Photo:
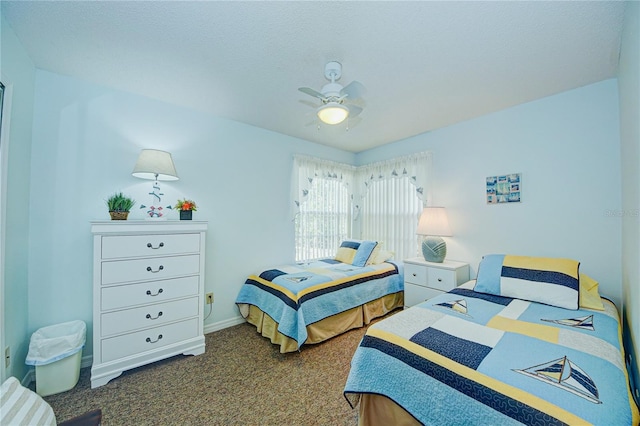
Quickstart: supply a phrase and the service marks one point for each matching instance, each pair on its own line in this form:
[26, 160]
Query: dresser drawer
[147, 340]
[148, 316]
[124, 296]
[416, 274]
[121, 246]
[118, 271]
[441, 279]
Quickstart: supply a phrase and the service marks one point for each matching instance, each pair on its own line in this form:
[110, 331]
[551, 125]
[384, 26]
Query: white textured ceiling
[425, 64]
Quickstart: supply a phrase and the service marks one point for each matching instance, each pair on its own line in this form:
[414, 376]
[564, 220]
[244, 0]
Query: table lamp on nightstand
[434, 224]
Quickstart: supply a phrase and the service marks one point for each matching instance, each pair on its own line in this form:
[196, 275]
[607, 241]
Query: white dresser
[424, 280]
[148, 293]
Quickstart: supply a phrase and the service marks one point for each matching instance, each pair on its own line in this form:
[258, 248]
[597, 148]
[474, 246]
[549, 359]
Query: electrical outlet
[209, 298]
[7, 356]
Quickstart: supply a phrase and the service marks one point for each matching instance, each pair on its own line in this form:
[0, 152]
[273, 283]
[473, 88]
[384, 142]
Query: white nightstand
[424, 280]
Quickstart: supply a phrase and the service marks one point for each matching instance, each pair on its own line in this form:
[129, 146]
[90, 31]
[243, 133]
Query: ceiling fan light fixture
[333, 113]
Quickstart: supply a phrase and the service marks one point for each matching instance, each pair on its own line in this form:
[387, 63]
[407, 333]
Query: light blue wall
[567, 148]
[17, 74]
[629, 83]
[86, 139]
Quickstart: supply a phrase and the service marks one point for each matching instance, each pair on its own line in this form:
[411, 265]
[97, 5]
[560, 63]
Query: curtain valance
[358, 179]
[415, 166]
[306, 169]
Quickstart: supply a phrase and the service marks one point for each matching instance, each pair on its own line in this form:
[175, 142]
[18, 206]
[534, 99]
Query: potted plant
[186, 207]
[119, 206]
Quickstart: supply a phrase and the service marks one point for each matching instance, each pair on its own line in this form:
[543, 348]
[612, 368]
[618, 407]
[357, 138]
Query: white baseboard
[220, 325]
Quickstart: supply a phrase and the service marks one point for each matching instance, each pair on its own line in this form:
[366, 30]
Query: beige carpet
[241, 379]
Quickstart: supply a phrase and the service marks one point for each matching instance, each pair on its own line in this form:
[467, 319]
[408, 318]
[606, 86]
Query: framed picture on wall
[504, 188]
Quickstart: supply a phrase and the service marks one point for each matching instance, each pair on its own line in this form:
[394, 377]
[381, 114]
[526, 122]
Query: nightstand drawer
[124, 296]
[124, 246]
[424, 280]
[415, 294]
[415, 274]
[148, 316]
[441, 279]
[147, 340]
[114, 272]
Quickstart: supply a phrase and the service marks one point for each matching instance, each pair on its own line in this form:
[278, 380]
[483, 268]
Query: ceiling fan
[336, 99]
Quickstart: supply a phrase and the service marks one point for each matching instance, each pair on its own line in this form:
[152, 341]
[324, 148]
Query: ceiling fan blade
[311, 92]
[309, 103]
[353, 122]
[353, 90]
[354, 110]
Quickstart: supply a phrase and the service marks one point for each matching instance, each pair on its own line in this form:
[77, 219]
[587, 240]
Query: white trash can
[56, 352]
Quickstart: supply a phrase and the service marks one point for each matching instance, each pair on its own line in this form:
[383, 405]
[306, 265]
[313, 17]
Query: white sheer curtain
[322, 204]
[307, 169]
[390, 214]
[386, 197]
[392, 195]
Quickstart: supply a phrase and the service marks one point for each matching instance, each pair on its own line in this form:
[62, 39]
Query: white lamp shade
[434, 221]
[333, 113]
[155, 164]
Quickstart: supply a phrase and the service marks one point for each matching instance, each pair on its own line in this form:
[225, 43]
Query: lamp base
[434, 249]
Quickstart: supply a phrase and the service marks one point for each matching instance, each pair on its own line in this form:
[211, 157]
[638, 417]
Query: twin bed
[311, 302]
[529, 342]
[476, 355]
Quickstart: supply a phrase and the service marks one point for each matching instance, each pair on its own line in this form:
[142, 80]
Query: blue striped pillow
[347, 251]
[364, 252]
[355, 252]
[552, 281]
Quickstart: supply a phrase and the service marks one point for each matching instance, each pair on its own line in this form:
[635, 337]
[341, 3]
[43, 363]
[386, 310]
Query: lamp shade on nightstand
[434, 224]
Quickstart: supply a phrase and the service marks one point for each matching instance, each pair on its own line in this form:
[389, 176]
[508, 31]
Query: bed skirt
[327, 328]
[377, 410]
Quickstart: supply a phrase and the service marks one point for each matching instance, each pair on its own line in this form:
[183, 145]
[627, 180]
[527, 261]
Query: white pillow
[382, 256]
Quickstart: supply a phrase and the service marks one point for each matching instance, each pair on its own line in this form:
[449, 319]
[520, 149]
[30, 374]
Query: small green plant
[119, 202]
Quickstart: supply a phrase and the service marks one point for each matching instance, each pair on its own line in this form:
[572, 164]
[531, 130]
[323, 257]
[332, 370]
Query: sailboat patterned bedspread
[472, 358]
[299, 295]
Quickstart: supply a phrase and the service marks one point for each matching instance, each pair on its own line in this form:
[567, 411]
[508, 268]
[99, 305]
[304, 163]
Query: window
[321, 202]
[390, 213]
[389, 195]
[324, 220]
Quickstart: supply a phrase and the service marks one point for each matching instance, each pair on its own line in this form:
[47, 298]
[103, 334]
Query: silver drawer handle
[154, 341]
[155, 248]
[160, 268]
[154, 318]
[151, 294]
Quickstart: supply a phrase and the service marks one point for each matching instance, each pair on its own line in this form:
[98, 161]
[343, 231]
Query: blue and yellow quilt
[296, 296]
[472, 358]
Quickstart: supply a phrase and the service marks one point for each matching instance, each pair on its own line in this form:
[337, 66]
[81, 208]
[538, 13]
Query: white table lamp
[155, 165]
[434, 224]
